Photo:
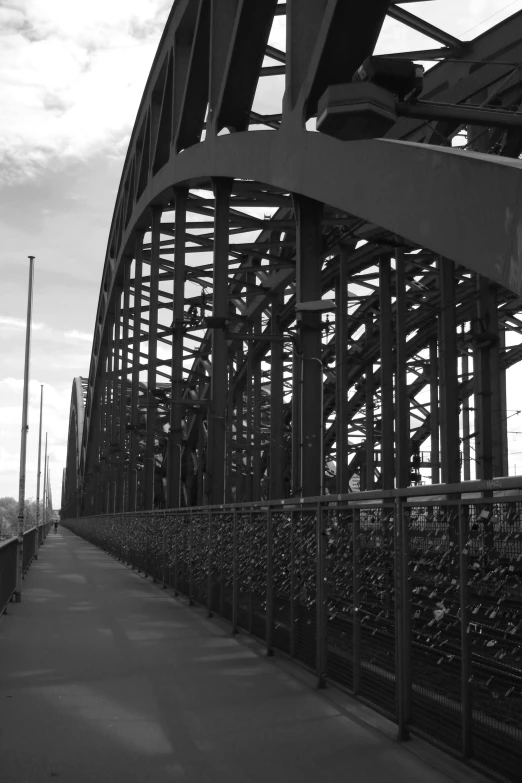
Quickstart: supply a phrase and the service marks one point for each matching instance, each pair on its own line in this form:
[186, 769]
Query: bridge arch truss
[282, 313]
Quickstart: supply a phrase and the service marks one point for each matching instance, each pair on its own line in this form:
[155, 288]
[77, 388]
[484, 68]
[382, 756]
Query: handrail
[463, 489]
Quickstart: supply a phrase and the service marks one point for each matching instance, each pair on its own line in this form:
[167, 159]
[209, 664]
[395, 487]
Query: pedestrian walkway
[105, 677]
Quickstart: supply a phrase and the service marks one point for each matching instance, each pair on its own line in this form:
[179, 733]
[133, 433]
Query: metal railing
[411, 600]
[8, 560]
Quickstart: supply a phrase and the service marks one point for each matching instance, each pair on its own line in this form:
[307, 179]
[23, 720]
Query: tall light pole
[23, 445]
[44, 520]
[38, 474]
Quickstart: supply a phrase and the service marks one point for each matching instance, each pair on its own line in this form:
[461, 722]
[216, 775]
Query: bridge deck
[104, 677]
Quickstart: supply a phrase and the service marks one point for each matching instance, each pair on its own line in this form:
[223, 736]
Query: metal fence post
[294, 593]
[320, 599]
[221, 539]
[164, 553]
[250, 570]
[235, 591]
[269, 586]
[465, 672]
[209, 566]
[403, 621]
[178, 519]
[190, 553]
[356, 577]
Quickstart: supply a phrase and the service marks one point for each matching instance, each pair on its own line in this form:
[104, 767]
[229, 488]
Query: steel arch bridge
[282, 311]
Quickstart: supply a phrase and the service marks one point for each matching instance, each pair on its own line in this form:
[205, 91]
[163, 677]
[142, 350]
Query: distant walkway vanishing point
[105, 677]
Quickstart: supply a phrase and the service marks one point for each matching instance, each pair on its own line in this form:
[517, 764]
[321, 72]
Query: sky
[71, 79]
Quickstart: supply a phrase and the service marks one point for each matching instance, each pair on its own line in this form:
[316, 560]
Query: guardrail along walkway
[105, 677]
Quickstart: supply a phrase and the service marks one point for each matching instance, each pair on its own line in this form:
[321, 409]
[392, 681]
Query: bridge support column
[489, 408]
[249, 388]
[106, 422]
[434, 411]
[256, 421]
[449, 399]
[152, 361]
[369, 471]
[133, 504]
[117, 391]
[121, 504]
[309, 429]
[231, 468]
[387, 406]
[401, 388]
[277, 448]
[341, 374]
[240, 431]
[94, 455]
[216, 466]
[176, 410]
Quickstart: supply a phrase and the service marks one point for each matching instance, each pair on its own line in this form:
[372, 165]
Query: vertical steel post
[503, 424]
[277, 448]
[105, 420]
[135, 382]
[231, 476]
[240, 444]
[320, 599]
[341, 373]
[449, 396]
[209, 566]
[402, 603]
[152, 360]
[123, 465]
[466, 670]
[256, 424]
[356, 615]
[466, 445]
[191, 559]
[370, 410]
[482, 369]
[178, 325]
[403, 619]
[402, 402]
[117, 393]
[434, 412]
[39, 473]
[23, 445]
[297, 364]
[294, 586]
[309, 246]
[249, 388]
[250, 572]
[387, 406]
[235, 573]
[269, 632]
[218, 404]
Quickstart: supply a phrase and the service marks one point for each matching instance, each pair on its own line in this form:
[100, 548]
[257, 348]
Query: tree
[9, 516]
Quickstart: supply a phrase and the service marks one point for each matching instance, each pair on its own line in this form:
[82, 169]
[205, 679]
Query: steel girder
[71, 486]
[270, 399]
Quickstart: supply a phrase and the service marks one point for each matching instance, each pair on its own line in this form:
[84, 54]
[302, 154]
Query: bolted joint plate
[355, 111]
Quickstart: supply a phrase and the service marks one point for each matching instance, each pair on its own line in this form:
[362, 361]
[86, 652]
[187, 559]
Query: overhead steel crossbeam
[281, 312]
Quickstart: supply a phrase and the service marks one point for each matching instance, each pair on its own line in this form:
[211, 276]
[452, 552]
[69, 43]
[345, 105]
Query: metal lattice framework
[281, 310]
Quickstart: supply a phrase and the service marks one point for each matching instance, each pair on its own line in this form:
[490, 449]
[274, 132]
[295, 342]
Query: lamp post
[23, 445]
[38, 475]
[44, 519]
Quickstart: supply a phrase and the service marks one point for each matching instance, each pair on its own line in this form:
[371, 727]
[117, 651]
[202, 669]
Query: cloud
[49, 333]
[71, 78]
[7, 322]
[75, 335]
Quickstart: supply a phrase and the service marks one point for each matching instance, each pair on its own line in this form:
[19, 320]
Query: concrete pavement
[104, 677]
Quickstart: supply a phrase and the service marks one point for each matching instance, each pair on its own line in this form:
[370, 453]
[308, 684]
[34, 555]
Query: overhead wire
[497, 13]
